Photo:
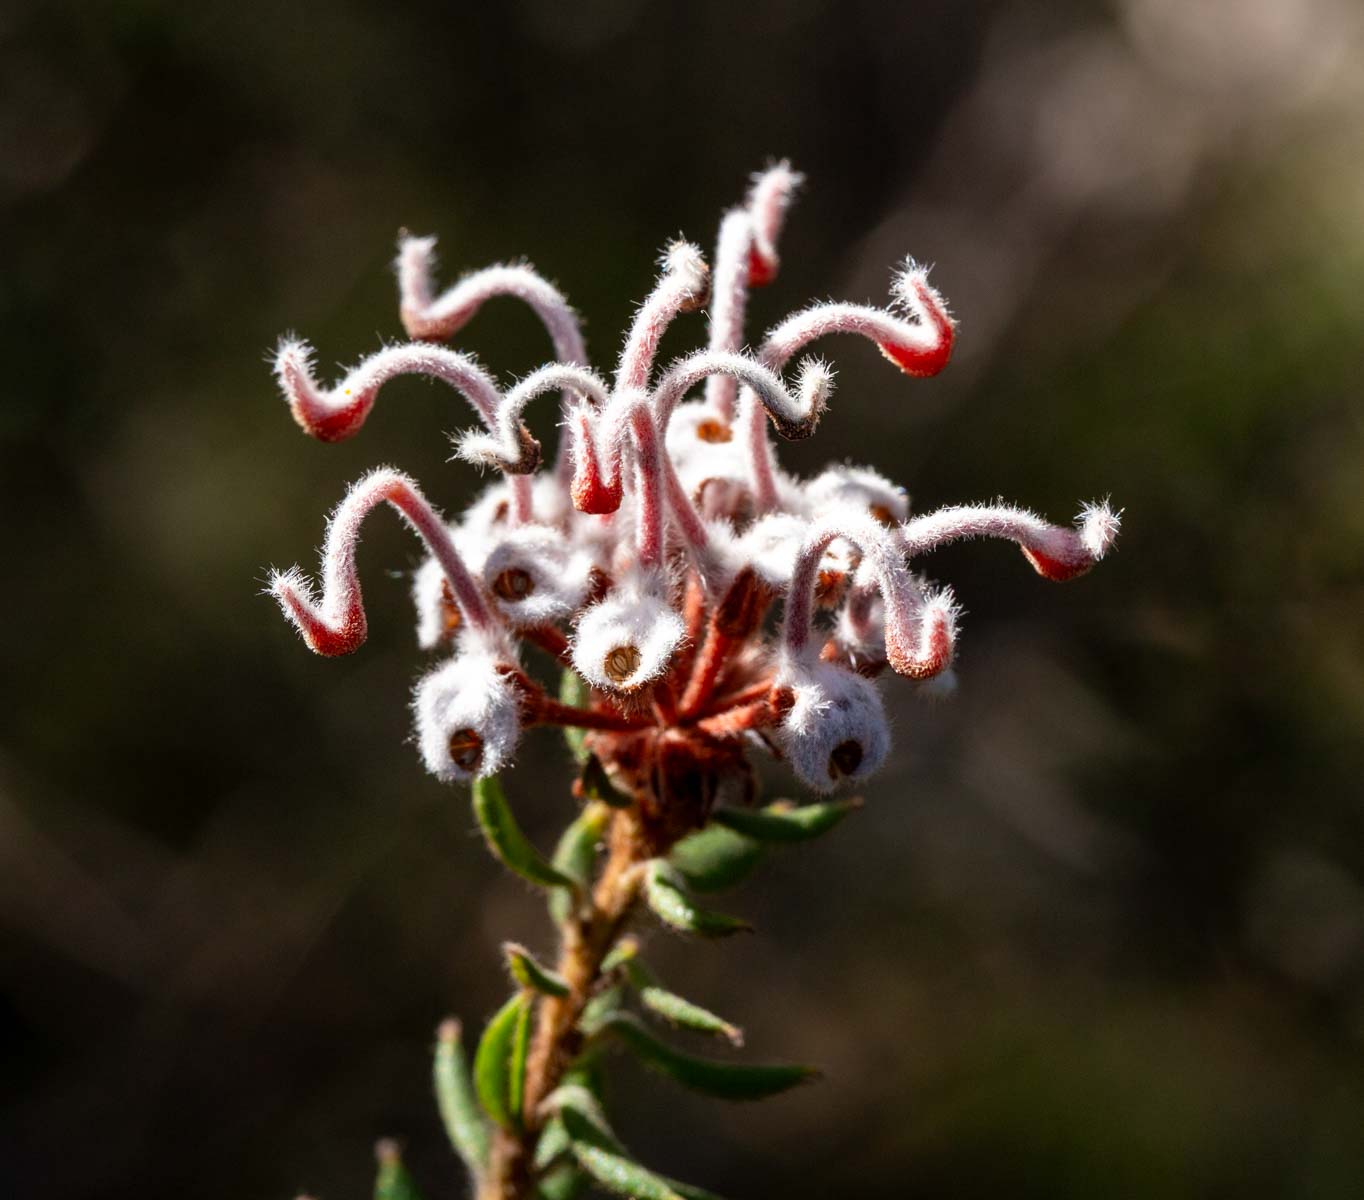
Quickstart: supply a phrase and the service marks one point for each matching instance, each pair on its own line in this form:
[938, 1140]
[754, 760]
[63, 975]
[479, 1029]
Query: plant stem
[588, 936]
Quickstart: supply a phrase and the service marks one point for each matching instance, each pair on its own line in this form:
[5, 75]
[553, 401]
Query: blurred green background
[1100, 928]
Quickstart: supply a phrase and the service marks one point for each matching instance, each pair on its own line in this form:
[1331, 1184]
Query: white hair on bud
[336, 413]
[845, 485]
[534, 577]
[468, 717]
[772, 546]
[1055, 552]
[836, 730]
[627, 641]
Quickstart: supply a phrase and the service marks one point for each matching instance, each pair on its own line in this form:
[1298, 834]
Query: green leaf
[597, 785]
[505, 839]
[520, 1050]
[574, 691]
[601, 1006]
[551, 1144]
[729, 1081]
[715, 857]
[585, 1123]
[606, 1160]
[672, 1007]
[455, 1097]
[781, 822]
[493, 1060]
[621, 953]
[621, 1175]
[666, 893]
[564, 1182]
[392, 1182]
[531, 974]
[576, 855]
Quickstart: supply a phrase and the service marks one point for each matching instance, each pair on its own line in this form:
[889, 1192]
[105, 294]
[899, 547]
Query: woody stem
[587, 937]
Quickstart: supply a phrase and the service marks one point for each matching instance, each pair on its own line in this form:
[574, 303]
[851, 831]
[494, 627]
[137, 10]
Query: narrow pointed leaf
[531, 974]
[392, 1181]
[576, 855]
[574, 691]
[520, 1050]
[567, 1181]
[622, 1176]
[667, 896]
[597, 785]
[464, 1121]
[551, 1144]
[672, 1007]
[606, 1161]
[583, 1121]
[729, 1081]
[493, 1060]
[621, 953]
[599, 1008]
[715, 858]
[782, 823]
[505, 839]
[690, 1192]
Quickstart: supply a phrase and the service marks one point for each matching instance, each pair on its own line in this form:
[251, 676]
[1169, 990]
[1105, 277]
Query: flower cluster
[648, 558]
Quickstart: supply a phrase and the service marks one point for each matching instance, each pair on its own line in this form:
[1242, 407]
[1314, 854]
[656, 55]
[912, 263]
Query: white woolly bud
[438, 616]
[535, 577]
[772, 544]
[860, 487]
[627, 641]
[836, 730]
[468, 717]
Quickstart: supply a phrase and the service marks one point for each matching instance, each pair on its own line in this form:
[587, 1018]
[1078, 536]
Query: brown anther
[845, 758]
[621, 662]
[829, 587]
[881, 513]
[714, 432]
[500, 512]
[513, 584]
[466, 749]
[451, 617]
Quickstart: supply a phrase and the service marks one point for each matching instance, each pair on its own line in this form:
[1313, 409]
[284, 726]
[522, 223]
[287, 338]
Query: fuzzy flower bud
[626, 642]
[468, 717]
[836, 729]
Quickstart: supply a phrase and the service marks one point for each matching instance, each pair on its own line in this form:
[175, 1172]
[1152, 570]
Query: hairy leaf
[715, 857]
[464, 1121]
[531, 974]
[597, 785]
[520, 1050]
[666, 893]
[493, 1060]
[505, 839]
[672, 1007]
[574, 691]
[576, 855]
[729, 1081]
[392, 1182]
[782, 822]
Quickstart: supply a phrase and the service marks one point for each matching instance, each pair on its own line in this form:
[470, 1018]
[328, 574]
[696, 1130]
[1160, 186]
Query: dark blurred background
[1100, 928]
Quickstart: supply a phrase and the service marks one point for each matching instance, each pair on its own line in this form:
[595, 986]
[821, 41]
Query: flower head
[647, 559]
